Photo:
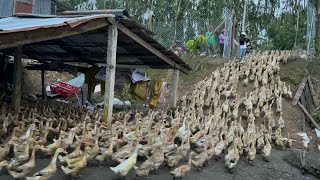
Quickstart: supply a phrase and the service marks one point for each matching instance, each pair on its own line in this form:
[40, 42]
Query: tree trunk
[177, 18]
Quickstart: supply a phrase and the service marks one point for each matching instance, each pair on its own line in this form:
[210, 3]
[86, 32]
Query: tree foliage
[275, 20]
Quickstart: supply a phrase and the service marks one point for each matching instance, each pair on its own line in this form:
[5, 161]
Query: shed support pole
[17, 74]
[43, 83]
[89, 93]
[2, 78]
[175, 88]
[110, 74]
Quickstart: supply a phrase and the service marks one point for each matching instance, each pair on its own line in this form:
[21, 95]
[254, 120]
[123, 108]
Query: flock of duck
[214, 120]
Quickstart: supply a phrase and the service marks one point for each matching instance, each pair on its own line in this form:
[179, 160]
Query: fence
[228, 25]
[166, 31]
[311, 29]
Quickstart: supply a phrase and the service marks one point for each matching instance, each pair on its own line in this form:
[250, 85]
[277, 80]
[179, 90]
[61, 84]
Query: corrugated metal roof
[42, 7]
[88, 47]
[6, 8]
[17, 24]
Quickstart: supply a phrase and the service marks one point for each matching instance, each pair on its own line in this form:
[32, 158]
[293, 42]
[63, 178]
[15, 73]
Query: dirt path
[277, 168]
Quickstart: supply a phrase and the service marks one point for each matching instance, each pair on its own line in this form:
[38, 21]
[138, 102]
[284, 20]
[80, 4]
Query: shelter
[106, 36]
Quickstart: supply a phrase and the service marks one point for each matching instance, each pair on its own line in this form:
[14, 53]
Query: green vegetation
[183, 20]
[197, 44]
[316, 117]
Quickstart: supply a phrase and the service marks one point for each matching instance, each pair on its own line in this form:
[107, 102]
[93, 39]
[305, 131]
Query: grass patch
[316, 117]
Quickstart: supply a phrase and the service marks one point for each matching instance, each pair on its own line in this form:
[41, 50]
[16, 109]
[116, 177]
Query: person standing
[222, 39]
[210, 40]
[243, 44]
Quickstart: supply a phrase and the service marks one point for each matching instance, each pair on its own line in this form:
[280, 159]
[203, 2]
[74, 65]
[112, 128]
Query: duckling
[73, 168]
[279, 139]
[281, 121]
[26, 168]
[74, 154]
[233, 156]
[94, 151]
[22, 156]
[257, 112]
[266, 151]
[220, 146]
[124, 168]
[51, 148]
[108, 152]
[145, 168]
[173, 158]
[289, 93]
[5, 150]
[198, 160]
[50, 170]
[180, 171]
[252, 152]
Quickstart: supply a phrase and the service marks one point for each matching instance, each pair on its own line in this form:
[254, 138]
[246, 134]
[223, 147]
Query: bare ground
[277, 168]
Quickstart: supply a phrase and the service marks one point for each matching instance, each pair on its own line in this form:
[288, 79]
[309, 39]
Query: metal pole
[244, 15]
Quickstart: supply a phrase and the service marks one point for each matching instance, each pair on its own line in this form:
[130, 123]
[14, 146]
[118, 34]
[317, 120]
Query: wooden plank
[309, 102]
[151, 48]
[308, 115]
[17, 79]
[14, 39]
[299, 91]
[175, 88]
[303, 102]
[313, 93]
[110, 74]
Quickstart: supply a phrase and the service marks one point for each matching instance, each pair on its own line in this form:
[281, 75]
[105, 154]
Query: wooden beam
[175, 88]
[142, 42]
[303, 103]
[313, 93]
[110, 74]
[17, 79]
[14, 39]
[308, 115]
[299, 91]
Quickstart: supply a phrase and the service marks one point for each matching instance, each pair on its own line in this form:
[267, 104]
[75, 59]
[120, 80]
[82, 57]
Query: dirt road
[277, 168]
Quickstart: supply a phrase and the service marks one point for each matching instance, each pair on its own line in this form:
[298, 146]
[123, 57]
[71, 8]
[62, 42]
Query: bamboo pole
[309, 116]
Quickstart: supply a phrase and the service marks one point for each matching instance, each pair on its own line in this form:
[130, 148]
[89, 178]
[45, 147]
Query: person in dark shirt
[243, 40]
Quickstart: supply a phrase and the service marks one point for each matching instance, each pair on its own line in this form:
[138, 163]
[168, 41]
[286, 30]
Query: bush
[195, 45]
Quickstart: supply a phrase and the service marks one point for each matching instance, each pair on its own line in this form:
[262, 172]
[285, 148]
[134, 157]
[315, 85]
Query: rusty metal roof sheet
[17, 24]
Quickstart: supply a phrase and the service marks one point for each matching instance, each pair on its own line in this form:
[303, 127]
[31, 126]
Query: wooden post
[17, 74]
[43, 83]
[313, 93]
[110, 74]
[233, 31]
[89, 92]
[299, 91]
[175, 88]
[2, 78]
[303, 103]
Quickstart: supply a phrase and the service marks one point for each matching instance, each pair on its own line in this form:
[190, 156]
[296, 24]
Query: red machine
[65, 90]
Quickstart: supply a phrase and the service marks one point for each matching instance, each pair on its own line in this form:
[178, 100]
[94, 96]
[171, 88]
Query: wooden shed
[107, 36]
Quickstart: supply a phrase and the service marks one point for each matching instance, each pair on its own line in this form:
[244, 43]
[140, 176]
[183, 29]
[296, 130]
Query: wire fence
[311, 29]
[166, 32]
[228, 25]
